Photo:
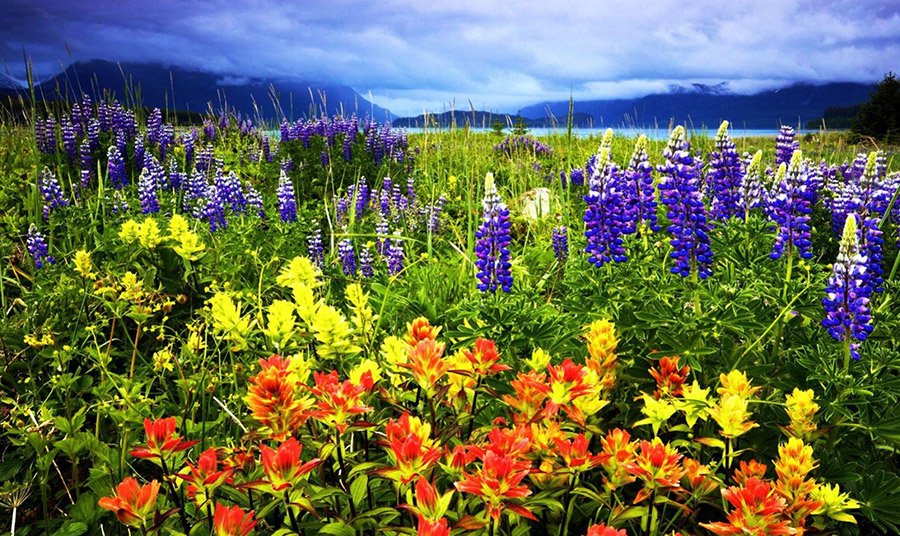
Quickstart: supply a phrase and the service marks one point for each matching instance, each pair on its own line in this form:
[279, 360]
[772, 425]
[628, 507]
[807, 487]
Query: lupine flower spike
[492, 248]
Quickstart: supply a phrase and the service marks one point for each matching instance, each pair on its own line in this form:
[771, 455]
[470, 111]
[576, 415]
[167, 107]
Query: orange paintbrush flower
[748, 470]
[566, 383]
[336, 402]
[658, 465]
[427, 364]
[432, 528]
[205, 477]
[795, 462]
[497, 482]
[757, 509]
[575, 453]
[619, 448]
[410, 449]
[134, 505]
[484, 357]
[530, 393]
[233, 521]
[602, 360]
[514, 442]
[161, 440]
[669, 377]
[419, 330]
[603, 530]
[273, 399]
[284, 468]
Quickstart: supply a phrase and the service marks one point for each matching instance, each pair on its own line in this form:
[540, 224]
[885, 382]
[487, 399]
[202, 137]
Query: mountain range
[177, 88]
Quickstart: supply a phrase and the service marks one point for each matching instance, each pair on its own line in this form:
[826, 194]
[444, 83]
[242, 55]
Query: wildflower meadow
[334, 326]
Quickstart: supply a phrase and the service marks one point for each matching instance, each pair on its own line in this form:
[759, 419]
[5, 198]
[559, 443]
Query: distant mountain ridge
[708, 105]
[178, 88]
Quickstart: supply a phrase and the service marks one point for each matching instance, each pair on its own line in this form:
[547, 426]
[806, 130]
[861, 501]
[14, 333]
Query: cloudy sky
[497, 54]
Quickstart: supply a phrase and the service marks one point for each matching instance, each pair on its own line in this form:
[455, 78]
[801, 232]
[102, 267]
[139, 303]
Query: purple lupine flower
[87, 109]
[93, 134]
[229, 189]
[87, 165]
[254, 200]
[348, 151]
[193, 201]
[365, 262]
[514, 144]
[154, 126]
[285, 128]
[119, 205]
[561, 243]
[316, 251]
[605, 218]
[37, 246]
[147, 186]
[395, 256]
[188, 140]
[287, 204]
[156, 171]
[381, 239]
[847, 314]
[265, 148]
[347, 256]
[45, 134]
[342, 211]
[576, 177]
[166, 140]
[68, 136]
[214, 212]
[492, 248]
[139, 152]
[52, 192]
[116, 168]
[871, 205]
[434, 214]
[287, 165]
[77, 126]
[679, 191]
[204, 160]
[104, 117]
[785, 145]
[725, 177]
[325, 159]
[790, 208]
[176, 178]
[361, 192]
[641, 194]
[751, 193]
[209, 129]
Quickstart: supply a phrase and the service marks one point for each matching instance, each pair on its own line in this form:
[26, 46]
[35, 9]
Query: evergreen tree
[880, 117]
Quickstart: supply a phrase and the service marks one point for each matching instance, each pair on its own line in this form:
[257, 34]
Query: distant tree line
[877, 120]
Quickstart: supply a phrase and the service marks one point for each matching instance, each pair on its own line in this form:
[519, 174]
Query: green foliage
[879, 119]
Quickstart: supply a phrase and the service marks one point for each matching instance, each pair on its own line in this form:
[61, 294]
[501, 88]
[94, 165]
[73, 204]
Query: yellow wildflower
[148, 233]
[731, 413]
[227, 319]
[332, 333]
[801, 408]
[367, 365]
[281, 324]
[83, 266]
[363, 317]
[162, 360]
[694, 403]
[129, 231]
[299, 271]
[189, 246]
[658, 412]
[736, 383]
[834, 504]
[131, 287]
[539, 360]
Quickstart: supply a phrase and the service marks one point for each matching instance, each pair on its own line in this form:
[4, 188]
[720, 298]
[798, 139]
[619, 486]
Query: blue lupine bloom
[176, 178]
[325, 159]
[316, 250]
[154, 126]
[605, 218]
[342, 212]
[365, 262]
[348, 150]
[381, 232]
[576, 177]
[166, 140]
[209, 129]
[434, 214]
[785, 145]
[229, 189]
[790, 208]
[189, 139]
[156, 171]
[52, 192]
[37, 246]
[87, 165]
[254, 201]
[725, 177]
[847, 314]
[394, 256]
[68, 136]
[147, 191]
[265, 148]
[215, 209]
[641, 194]
[362, 197]
[514, 144]
[193, 201]
[561, 243]
[116, 168]
[751, 193]
[492, 247]
[119, 205]
[139, 152]
[680, 192]
[93, 134]
[45, 134]
[287, 165]
[287, 204]
[347, 256]
[122, 145]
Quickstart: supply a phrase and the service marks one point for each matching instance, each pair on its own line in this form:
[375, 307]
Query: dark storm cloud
[499, 54]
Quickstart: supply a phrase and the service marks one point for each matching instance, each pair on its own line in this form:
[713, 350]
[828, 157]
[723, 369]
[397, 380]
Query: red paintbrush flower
[284, 468]
[161, 440]
[272, 398]
[757, 509]
[575, 453]
[603, 530]
[497, 481]
[484, 357]
[205, 477]
[233, 521]
[618, 446]
[336, 402]
[566, 383]
[513, 442]
[420, 330]
[427, 364]
[432, 528]
[530, 393]
[410, 449]
[748, 470]
[669, 378]
[134, 505]
[658, 465]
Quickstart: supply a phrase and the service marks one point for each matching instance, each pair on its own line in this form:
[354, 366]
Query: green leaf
[71, 528]
[358, 489]
[338, 528]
